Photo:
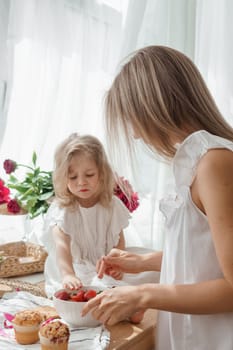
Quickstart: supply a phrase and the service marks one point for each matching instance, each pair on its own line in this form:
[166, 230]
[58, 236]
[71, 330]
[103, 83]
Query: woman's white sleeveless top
[189, 255]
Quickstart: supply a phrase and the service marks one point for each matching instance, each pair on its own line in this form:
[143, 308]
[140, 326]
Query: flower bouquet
[31, 193]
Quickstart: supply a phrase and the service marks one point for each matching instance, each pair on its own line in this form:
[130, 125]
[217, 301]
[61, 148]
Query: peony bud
[13, 206]
[9, 166]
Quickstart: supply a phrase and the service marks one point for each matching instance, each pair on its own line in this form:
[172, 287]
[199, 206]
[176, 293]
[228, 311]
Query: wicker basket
[17, 285]
[4, 289]
[21, 258]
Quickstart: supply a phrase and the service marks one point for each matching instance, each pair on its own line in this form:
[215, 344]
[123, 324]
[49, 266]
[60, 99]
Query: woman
[160, 97]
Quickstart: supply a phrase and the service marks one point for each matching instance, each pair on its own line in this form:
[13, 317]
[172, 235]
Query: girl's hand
[118, 261]
[115, 305]
[71, 282]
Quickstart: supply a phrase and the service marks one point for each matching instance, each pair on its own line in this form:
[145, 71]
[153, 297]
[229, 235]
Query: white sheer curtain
[62, 56]
[4, 13]
[155, 22]
[214, 51]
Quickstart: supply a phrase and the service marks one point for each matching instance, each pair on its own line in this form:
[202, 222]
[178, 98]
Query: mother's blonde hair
[84, 145]
[160, 95]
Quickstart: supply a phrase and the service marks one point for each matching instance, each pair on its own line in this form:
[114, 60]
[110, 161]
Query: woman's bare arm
[213, 188]
[214, 183]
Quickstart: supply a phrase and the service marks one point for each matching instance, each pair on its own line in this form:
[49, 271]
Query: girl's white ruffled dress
[189, 255]
[93, 232]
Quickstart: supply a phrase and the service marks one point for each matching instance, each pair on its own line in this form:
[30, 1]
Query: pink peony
[131, 201]
[13, 206]
[4, 193]
[9, 166]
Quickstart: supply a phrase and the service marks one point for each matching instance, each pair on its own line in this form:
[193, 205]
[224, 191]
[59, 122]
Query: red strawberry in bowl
[79, 296]
[63, 295]
[69, 303]
[89, 294]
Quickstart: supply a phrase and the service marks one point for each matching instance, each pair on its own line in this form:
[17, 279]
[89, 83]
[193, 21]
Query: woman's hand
[103, 267]
[115, 305]
[117, 275]
[100, 266]
[119, 261]
[123, 261]
[71, 282]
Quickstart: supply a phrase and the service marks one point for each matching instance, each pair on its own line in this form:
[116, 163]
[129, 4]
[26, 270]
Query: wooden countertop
[128, 336]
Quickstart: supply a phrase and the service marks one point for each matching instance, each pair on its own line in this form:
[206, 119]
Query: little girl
[85, 221]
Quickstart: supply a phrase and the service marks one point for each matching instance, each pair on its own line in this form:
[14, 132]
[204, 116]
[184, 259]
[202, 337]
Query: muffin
[47, 312]
[26, 326]
[54, 335]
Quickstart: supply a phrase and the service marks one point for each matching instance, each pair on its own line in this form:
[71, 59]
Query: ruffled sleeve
[191, 151]
[185, 163]
[55, 216]
[120, 216]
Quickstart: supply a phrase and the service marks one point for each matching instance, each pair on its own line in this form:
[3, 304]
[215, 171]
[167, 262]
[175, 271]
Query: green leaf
[12, 178]
[45, 196]
[40, 210]
[34, 158]
[20, 187]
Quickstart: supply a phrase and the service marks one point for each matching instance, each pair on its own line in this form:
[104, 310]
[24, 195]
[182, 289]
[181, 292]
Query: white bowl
[70, 311]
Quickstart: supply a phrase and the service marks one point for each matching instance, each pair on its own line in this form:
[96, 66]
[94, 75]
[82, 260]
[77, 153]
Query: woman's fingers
[114, 305]
[118, 275]
[91, 304]
[117, 261]
[101, 268]
[98, 305]
[100, 314]
[106, 264]
[98, 265]
[137, 317]
[103, 309]
[114, 264]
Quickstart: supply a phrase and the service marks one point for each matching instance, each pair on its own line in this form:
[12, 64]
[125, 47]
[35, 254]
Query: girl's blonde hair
[84, 145]
[160, 95]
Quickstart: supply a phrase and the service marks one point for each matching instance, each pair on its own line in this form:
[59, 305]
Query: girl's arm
[64, 259]
[121, 242]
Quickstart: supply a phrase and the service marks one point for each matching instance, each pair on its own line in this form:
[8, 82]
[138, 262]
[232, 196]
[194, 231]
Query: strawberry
[89, 294]
[79, 296]
[63, 295]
